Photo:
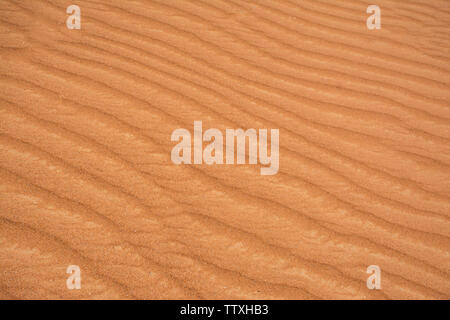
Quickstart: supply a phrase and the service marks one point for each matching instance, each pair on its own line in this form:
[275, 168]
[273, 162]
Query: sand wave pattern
[86, 176]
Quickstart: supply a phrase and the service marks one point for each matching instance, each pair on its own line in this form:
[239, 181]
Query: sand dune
[86, 176]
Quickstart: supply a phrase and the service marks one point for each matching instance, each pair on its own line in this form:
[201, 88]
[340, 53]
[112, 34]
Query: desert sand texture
[87, 179]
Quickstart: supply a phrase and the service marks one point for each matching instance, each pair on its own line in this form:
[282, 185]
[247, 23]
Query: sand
[86, 176]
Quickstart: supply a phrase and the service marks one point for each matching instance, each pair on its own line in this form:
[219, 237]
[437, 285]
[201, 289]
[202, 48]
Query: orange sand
[86, 176]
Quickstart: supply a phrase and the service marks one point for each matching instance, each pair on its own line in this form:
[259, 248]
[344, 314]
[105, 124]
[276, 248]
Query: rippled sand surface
[86, 176]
